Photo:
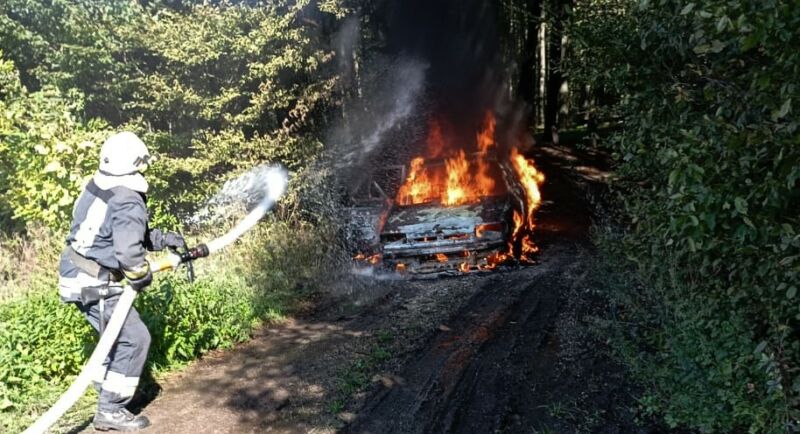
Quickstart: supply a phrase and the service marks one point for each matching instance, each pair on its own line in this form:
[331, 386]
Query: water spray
[272, 185]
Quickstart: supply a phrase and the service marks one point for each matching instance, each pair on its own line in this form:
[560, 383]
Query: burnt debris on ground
[510, 351]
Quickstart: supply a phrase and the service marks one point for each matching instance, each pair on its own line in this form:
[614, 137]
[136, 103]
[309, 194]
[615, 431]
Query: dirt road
[504, 352]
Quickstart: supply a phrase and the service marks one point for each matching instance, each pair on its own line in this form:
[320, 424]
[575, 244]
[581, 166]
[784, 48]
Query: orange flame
[418, 186]
[460, 183]
[486, 135]
[485, 183]
[441, 257]
[373, 260]
[531, 178]
[463, 181]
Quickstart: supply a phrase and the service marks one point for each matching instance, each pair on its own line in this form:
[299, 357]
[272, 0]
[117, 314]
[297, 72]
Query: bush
[46, 151]
[708, 185]
[26, 262]
[44, 343]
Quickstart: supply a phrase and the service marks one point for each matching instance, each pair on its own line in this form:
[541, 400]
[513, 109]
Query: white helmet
[124, 154]
[122, 159]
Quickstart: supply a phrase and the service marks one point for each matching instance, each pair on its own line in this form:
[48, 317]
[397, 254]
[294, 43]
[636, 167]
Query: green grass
[356, 377]
[45, 343]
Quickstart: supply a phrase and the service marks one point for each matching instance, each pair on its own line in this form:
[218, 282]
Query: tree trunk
[528, 77]
[555, 78]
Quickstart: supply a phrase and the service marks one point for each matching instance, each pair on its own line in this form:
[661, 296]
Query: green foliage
[213, 88]
[356, 377]
[708, 166]
[26, 262]
[44, 343]
[44, 151]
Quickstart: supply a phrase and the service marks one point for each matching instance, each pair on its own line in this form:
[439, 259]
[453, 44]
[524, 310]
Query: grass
[27, 262]
[261, 279]
[356, 377]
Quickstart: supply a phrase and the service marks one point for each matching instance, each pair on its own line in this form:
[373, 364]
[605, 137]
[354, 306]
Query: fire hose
[276, 184]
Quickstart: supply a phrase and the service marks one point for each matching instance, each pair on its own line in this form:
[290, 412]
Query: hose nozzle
[199, 251]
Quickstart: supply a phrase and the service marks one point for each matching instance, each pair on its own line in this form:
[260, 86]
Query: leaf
[760, 348]
[52, 167]
[722, 23]
[791, 292]
[688, 8]
[5, 404]
[784, 110]
[741, 205]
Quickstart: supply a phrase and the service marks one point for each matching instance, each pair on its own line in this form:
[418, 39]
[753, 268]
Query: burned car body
[431, 238]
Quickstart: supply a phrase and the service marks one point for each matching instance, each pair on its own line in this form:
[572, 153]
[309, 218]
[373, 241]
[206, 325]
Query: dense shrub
[44, 343]
[46, 151]
[708, 160]
[213, 89]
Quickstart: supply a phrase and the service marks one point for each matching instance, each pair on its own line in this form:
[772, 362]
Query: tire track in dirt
[504, 352]
[435, 390]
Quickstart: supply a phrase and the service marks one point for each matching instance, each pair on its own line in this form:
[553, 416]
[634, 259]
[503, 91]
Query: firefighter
[106, 246]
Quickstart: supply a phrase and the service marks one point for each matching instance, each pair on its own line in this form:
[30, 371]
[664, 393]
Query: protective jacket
[109, 229]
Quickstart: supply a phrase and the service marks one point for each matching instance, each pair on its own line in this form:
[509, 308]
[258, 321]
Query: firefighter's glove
[139, 277]
[174, 240]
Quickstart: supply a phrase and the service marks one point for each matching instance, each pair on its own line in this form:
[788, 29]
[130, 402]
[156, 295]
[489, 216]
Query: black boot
[120, 420]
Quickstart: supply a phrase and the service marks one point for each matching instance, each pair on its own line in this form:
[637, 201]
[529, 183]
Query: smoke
[346, 43]
[391, 96]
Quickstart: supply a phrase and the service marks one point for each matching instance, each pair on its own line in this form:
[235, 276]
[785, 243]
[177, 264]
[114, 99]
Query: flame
[418, 186]
[531, 178]
[521, 235]
[485, 182]
[465, 180]
[373, 260]
[458, 182]
[400, 267]
[486, 135]
[461, 183]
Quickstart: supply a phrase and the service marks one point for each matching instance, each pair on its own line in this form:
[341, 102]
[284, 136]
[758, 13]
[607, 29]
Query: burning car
[453, 212]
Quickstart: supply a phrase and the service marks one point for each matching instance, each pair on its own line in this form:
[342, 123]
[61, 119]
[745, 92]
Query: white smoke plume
[386, 103]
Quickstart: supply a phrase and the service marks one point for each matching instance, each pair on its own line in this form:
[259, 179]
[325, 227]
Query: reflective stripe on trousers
[126, 360]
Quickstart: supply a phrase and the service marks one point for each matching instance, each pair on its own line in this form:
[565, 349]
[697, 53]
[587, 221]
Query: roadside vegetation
[696, 101]
[707, 159]
[696, 104]
[213, 90]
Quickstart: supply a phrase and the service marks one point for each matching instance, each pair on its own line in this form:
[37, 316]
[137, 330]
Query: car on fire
[427, 237]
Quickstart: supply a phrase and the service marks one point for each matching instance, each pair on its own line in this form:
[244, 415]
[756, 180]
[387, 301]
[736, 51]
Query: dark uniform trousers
[124, 364]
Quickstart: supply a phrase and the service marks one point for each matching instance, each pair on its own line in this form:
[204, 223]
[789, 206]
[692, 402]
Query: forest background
[694, 102]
